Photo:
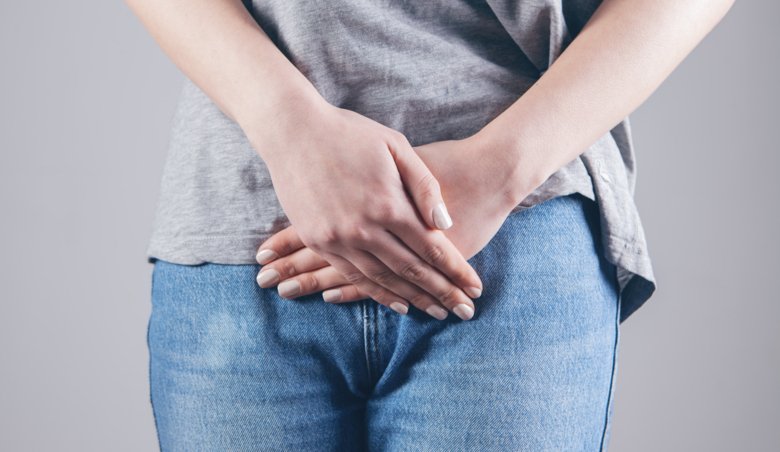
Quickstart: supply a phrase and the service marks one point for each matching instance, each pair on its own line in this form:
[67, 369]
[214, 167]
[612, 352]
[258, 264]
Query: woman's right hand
[340, 178]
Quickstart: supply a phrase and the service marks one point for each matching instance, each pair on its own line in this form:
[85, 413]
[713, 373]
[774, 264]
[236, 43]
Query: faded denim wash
[235, 367]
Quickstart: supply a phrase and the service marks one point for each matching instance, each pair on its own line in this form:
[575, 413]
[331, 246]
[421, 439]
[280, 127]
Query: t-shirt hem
[635, 274]
[219, 249]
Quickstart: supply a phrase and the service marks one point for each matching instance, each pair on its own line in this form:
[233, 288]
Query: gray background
[86, 100]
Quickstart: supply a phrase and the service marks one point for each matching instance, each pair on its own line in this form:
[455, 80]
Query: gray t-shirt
[433, 70]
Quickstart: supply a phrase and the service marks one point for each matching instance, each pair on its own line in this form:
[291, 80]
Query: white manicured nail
[436, 311]
[399, 307]
[265, 256]
[289, 288]
[441, 218]
[463, 311]
[331, 295]
[267, 277]
[473, 292]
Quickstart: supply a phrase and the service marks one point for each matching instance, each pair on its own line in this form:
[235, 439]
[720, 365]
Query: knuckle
[399, 214]
[355, 278]
[384, 210]
[449, 298]
[322, 239]
[413, 271]
[398, 140]
[427, 185]
[287, 268]
[434, 254]
[356, 233]
[383, 277]
[461, 276]
[329, 237]
[420, 300]
[398, 136]
[285, 247]
[316, 247]
[396, 214]
[310, 282]
[379, 296]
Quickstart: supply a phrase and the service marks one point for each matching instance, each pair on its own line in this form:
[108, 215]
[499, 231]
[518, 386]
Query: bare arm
[613, 65]
[619, 58]
[317, 154]
[220, 47]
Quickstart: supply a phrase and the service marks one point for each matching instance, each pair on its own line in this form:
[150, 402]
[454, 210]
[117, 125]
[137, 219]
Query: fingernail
[473, 292]
[265, 256]
[463, 311]
[289, 288]
[436, 311]
[331, 295]
[441, 218]
[267, 277]
[399, 307]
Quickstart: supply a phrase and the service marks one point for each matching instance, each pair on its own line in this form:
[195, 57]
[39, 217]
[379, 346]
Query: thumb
[421, 184]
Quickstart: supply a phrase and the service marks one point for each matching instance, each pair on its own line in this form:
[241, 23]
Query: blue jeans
[234, 367]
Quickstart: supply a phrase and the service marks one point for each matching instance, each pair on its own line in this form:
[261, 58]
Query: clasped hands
[366, 215]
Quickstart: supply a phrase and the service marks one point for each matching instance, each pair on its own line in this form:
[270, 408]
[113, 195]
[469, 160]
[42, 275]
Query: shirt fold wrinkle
[434, 70]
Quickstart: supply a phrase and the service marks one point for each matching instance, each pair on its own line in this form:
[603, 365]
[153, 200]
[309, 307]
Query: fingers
[356, 277]
[410, 262]
[420, 183]
[281, 244]
[311, 282]
[411, 268]
[305, 272]
[301, 261]
[335, 288]
[437, 250]
[380, 273]
[343, 294]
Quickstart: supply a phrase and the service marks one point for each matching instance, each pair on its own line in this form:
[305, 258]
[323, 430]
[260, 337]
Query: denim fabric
[234, 367]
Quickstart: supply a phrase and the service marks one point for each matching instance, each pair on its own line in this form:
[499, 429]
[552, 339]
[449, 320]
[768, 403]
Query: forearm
[221, 48]
[618, 59]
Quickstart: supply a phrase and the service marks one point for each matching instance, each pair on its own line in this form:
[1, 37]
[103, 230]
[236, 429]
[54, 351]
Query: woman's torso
[433, 70]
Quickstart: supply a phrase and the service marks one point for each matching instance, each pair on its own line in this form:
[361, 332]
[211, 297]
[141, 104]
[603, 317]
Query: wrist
[517, 166]
[278, 118]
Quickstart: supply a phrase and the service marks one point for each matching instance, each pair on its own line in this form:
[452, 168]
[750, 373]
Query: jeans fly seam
[376, 339]
[366, 338]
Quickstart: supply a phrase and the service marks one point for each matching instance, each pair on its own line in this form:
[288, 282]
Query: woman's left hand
[480, 190]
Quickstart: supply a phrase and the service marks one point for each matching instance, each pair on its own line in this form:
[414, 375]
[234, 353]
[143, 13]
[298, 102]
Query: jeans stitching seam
[375, 345]
[612, 376]
[366, 338]
[148, 347]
